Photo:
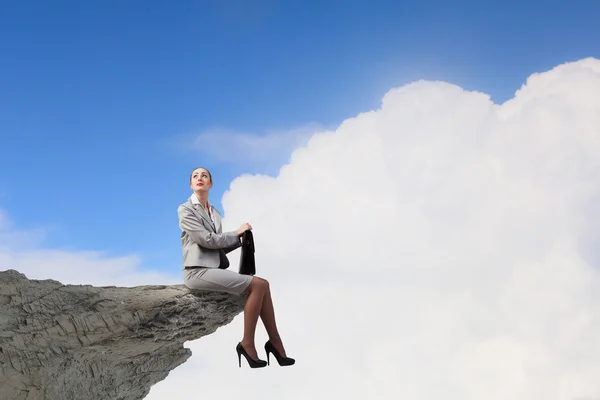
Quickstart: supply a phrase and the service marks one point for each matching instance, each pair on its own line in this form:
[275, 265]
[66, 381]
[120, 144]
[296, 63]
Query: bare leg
[252, 309]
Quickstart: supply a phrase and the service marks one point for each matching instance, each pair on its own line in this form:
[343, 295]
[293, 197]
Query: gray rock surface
[83, 342]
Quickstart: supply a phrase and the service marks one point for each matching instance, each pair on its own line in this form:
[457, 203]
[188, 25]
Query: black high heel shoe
[251, 362]
[283, 361]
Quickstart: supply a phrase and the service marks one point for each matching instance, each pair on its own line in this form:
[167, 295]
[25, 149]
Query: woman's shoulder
[185, 205]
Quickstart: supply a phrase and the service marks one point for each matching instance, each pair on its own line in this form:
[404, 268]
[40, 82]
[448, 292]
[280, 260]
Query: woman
[204, 262]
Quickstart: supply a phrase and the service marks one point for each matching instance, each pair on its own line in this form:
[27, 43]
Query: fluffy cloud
[441, 246]
[23, 251]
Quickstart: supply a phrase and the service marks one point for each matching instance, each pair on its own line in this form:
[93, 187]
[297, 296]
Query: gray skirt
[216, 280]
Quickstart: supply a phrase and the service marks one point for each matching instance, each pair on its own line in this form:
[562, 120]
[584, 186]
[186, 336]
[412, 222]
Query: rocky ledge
[84, 342]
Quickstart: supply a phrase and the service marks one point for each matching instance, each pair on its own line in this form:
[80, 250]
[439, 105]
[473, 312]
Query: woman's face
[200, 180]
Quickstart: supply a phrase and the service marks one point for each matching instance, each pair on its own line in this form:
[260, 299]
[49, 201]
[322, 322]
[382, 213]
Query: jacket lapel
[200, 213]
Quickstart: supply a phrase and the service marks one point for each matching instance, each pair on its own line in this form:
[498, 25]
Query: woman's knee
[259, 284]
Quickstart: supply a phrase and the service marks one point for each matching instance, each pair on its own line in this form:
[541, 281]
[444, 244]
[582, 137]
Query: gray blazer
[203, 243]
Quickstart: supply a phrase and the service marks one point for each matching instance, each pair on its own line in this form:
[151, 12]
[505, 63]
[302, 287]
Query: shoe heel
[281, 360]
[251, 362]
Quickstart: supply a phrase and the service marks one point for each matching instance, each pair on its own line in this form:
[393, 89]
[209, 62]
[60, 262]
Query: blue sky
[99, 99]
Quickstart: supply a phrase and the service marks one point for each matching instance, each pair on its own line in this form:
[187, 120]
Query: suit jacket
[203, 243]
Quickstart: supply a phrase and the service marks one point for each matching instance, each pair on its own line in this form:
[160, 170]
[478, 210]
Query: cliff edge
[84, 342]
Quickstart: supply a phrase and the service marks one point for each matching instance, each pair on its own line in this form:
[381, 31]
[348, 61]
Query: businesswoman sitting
[204, 247]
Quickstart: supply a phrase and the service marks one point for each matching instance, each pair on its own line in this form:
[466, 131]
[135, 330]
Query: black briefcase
[247, 264]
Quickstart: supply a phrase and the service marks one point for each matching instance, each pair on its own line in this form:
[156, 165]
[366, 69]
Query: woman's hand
[243, 228]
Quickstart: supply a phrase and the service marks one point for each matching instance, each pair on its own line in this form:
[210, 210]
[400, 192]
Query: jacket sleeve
[232, 248]
[189, 223]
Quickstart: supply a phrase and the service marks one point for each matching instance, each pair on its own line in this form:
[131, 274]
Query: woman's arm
[189, 223]
[230, 249]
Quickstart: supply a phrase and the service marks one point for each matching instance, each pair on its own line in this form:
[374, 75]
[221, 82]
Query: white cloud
[10, 237]
[438, 247]
[264, 151]
[22, 250]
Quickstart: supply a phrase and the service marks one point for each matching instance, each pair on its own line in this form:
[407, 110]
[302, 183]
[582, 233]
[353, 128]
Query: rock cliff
[68, 342]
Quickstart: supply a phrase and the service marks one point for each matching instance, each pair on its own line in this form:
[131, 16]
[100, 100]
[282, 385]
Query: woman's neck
[203, 198]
